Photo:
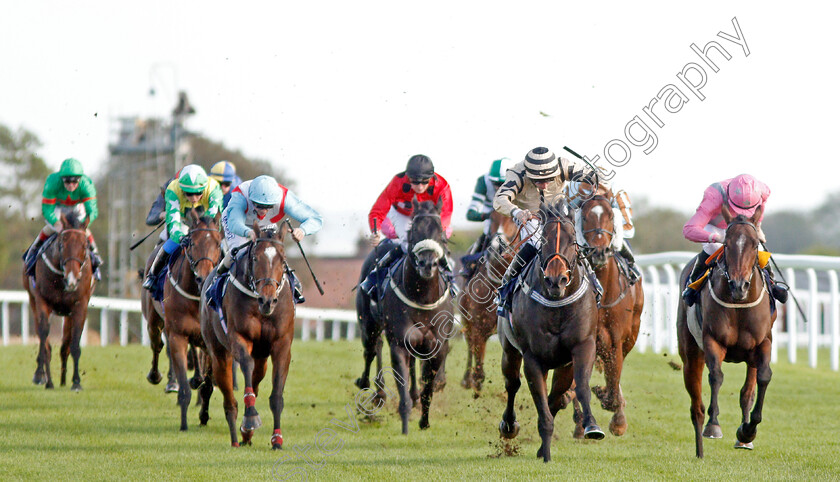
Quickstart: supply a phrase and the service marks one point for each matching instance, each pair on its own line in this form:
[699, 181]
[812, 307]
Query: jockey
[540, 177]
[391, 212]
[480, 208]
[191, 190]
[68, 187]
[743, 194]
[265, 201]
[579, 192]
[225, 173]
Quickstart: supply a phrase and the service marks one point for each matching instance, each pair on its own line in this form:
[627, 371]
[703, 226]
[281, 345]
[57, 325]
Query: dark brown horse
[416, 313]
[62, 285]
[200, 252]
[620, 308]
[736, 327]
[259, 322]
[552, 326]
[477, 305]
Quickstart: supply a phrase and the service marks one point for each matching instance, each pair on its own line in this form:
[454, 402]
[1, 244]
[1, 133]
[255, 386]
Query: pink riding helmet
[743, 195]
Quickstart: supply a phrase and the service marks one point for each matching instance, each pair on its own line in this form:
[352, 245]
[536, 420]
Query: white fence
[818, 296]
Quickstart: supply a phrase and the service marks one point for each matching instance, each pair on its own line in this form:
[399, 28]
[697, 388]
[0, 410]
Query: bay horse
[200, 252]
[62, 285]
[416, 314]
[552, 326]
[736, 327]
[477, 301]
[619, 310]
[258, 322]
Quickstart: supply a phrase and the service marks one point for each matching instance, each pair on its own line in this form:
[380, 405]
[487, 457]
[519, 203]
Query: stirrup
[780, 292]
[689, 295]
[149, 282]
[635, 274]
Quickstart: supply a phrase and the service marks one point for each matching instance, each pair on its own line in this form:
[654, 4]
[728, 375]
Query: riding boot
[593, 278]
[525, 255]
[33, 250]
[380, 270]
[469, 262]
[225, 264]
[160, 261]
[625, 252]
[447, 266]
[690, 294]
[297, 289]
[778, 290]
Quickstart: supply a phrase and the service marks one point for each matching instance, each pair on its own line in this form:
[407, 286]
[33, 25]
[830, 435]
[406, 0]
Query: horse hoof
[277, 442]
[249, 424]
[466, 383]
[362, 383]
[39, 380]
[618, 425]
[77, 387]
[508, 432]
[234, 444]
[171, 387]
[741, 445]
[203, 418]
[743, 436]
[246, 435]
[49, 385]
[713, 431]
[544, 454]
[424, 424]
[154, 377]
[439, 385]
[593, 432]
[195, 383]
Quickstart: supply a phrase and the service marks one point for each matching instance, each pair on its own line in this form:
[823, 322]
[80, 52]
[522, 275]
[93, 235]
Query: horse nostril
[261, 300]
[746, 285]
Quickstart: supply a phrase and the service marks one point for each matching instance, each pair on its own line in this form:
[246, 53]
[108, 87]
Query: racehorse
[552, 326]
[62, 285]
[200, 252]
[417, 319]
[258, 322]
[620, 309]
[477, 301]
[735, 327]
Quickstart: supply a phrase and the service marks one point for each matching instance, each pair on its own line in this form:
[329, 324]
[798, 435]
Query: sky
[341, 94]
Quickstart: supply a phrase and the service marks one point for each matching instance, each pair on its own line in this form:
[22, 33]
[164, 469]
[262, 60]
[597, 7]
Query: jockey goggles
[265, 207]
[419, 181]
[70, 179]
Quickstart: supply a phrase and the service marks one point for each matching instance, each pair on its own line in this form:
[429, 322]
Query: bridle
[598, 230]
[62, 260]
[254, 284]
[556, 253]
[413, 251]
[189, 243]
[721, 263]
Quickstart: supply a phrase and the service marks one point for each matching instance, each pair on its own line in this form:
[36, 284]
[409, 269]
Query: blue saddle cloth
[30, 266]
[157, 288]
[216, 292]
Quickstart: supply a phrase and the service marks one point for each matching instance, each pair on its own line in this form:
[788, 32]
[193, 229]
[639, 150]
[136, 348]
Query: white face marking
[740, 243]
[270, 252]
[598, 211]
[71, 279]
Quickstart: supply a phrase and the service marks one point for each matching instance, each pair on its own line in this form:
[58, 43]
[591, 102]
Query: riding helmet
[265, 190]
[193, 179]
[540, 164]
[743, 194]
[71, 168]
[420, 168]
[223, 171]
[498, 168]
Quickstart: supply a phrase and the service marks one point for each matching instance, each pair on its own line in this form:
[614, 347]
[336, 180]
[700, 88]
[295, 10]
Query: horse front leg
[415, 394]
[280, 359]
[155, 327]
[42, 373]
[206, 366]
[172, 382]
[511, 363]
[535, 374]
[467, 381]
[561, 394]
[400, 360]
[714, 361]
[693, 363]
[430, 372]
[251, 421]
[747, 431]
[478, 372]
[614, 400]
[64, 352]
[583, 357]
[178, 346]
[78, 324]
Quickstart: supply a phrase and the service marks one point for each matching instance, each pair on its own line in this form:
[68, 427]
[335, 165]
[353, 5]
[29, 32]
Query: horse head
[559, 250]
[597, 228]
[740, 252]
[425, 237]
[203, 244]
[267, 257]
[72, 246]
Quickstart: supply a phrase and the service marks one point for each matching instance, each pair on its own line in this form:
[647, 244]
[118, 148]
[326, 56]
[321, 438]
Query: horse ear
[724, 211]
[256, 228]
[63, 219]
[439, 205]
[414, 203]
[217, 218]
[757, 214]
[85, 224]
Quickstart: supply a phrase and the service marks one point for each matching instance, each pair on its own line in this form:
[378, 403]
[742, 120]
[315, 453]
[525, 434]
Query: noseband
[557, 253]
[188, 250]
[724, 267]
[62, 260]
[599, 230]
[253, 284]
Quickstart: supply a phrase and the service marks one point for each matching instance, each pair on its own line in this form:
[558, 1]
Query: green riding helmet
[193, 179]
[498, 168]
[71, 168]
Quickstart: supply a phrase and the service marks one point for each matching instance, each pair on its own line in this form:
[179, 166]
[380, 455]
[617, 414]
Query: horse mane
[556, 208]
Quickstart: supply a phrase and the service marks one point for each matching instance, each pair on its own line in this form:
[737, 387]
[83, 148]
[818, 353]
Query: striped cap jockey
[541, 163]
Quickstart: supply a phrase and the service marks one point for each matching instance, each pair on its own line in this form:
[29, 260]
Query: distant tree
[20, 194]
[659, 229]
[789, 231]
